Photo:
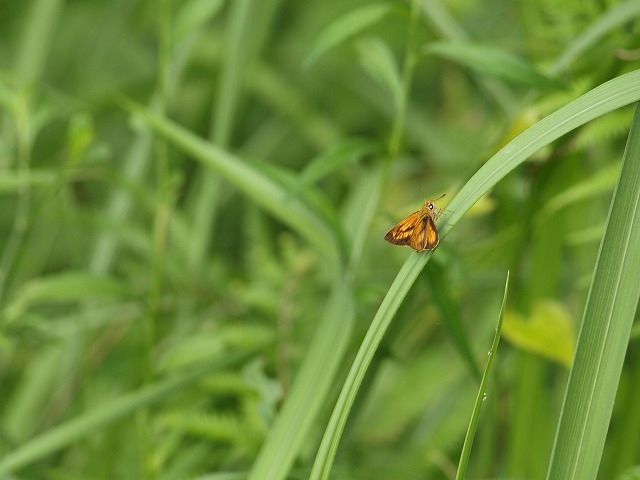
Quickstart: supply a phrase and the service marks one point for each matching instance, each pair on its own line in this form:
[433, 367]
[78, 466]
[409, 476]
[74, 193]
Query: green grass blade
[606, 326]
[100, 416]
[194, 15]
[14, 181]
[360, 209]
[448, 28]
[241, 51]
[63, 287]
[491, 61]
[613, 19]
[313, 380]
[632, 473]
[399, 289]
[378, 61]
[473, 424]
[346, 27]
[240, 54]
[603, 99]
[262, 189]
[452, 320]
[37, 39]
[337, 156]
[598, 183]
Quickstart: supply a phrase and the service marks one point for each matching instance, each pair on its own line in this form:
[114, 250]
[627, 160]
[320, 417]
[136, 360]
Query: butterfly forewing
[402, 234]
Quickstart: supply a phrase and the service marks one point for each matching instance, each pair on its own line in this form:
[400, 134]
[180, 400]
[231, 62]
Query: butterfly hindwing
[432, 237]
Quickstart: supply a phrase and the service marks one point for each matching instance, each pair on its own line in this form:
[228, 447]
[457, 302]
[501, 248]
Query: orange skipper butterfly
[418, 230]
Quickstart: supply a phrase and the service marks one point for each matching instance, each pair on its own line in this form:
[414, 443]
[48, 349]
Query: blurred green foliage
[185, 299]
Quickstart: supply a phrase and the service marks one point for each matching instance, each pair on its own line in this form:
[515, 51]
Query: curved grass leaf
[65, 287]
[494, 62]
[331, 160]
[596, 184]
[613, 19]
[607, 97]
[377, 59]
[262, 189]
[346, 27]
[401, 285]
[614, 94]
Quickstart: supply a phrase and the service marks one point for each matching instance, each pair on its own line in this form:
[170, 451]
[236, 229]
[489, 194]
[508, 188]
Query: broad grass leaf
[610, 311]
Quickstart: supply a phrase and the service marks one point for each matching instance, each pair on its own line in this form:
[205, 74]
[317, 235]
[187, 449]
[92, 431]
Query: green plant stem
[482, 391]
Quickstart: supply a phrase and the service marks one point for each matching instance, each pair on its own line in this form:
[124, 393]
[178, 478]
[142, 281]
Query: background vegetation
[193, 197]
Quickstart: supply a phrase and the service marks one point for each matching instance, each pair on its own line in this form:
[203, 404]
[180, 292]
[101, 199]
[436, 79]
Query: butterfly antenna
[423, 196]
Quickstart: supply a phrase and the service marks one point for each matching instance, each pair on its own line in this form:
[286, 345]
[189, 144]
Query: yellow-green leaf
[549, 331]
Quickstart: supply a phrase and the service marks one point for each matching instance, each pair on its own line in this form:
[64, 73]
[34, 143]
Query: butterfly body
[418, 230]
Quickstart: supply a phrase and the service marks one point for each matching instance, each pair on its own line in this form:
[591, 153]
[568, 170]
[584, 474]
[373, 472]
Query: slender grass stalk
[37, 39]
[309, 389]
[408, 66]
[34, 47]
[16, 238]
[482, 391]
[160, 231]
[241, 51]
